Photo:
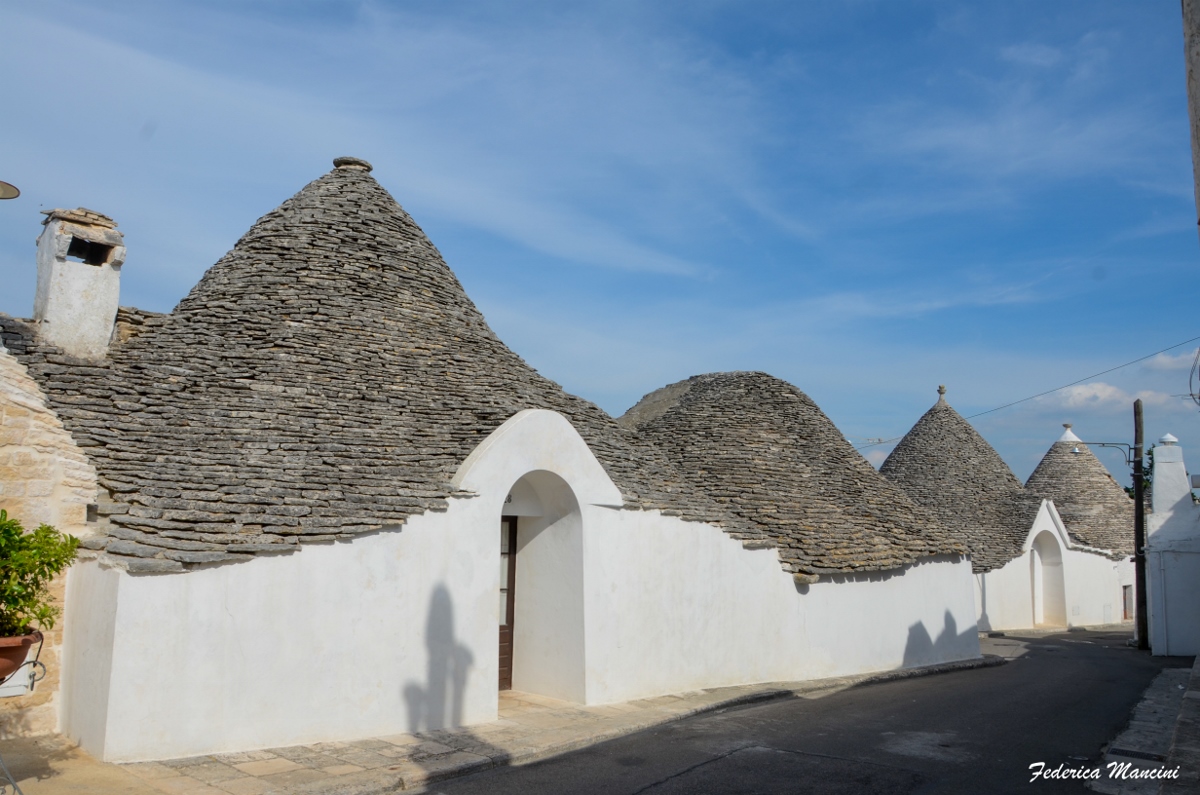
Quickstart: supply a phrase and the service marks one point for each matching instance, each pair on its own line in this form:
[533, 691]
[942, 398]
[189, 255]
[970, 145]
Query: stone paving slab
[1146, 741]
[1185, 744]
[530, 728]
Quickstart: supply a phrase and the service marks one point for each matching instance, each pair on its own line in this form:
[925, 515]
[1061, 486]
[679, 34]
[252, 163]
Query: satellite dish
[8, 191]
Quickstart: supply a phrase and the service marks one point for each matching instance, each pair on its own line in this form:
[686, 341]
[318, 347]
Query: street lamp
[8, 191]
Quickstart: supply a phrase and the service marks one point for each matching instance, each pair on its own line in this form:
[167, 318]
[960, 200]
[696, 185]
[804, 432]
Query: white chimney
[79, 257]
[1171, 485]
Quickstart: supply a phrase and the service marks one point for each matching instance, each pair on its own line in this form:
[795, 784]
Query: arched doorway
[541, 581]
[1049, 592]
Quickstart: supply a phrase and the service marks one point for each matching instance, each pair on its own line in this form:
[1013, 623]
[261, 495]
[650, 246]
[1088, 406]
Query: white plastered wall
[390, 633]
[1092, 583]
[397, 631]
[1173, 557]
[674, 606]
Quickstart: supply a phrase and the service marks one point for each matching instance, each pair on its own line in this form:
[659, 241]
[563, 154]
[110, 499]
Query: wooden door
[508, 582]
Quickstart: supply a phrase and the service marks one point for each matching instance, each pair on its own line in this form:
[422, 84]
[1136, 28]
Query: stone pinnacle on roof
[1068, 434]
[763, 449]
[355, 163]
[944, 465]
[1094, 508]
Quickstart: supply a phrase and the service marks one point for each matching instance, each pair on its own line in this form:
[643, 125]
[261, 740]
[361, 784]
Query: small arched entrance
[541, 589]
[1049, 592]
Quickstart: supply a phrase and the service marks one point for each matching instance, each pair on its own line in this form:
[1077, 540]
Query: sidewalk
[1163, 733]
[1146, 741]
[530, 728]
[1185, 744]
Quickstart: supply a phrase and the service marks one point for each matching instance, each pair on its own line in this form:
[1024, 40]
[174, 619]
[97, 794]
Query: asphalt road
[974, 731]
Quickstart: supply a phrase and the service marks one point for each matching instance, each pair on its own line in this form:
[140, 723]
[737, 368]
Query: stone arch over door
[537, 468]
[1049, 588]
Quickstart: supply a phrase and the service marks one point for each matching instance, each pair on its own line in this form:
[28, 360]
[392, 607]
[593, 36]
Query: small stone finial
[1069, 436]
[354, 163]
[941, 393]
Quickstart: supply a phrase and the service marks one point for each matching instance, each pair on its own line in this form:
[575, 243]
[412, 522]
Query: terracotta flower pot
[13, 652]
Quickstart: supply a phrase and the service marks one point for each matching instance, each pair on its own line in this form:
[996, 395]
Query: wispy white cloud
[1172, 362]
[1025, 128]
[1019, 137]
[578, 111]
[1032, 54]
[1099, 394]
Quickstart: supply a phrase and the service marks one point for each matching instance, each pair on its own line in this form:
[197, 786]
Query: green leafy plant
[28, 562]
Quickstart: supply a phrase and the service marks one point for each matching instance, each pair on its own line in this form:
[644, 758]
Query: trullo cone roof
[947, 467]
[764, 450]
[325, 378]
[1095, 509]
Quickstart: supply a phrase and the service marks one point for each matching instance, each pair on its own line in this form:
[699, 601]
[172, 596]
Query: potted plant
[28, 562]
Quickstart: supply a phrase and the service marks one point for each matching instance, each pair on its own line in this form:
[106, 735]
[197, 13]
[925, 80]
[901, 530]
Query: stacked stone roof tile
[1095, 509]
[765, 451]
[325, 378]
[947, 467]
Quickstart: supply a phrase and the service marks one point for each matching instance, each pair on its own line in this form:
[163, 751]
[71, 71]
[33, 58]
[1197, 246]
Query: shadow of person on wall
[439, 703]
[436, 708]
[950, 645]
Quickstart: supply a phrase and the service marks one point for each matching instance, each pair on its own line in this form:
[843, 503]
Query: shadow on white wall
[438, 703]
[951, 644]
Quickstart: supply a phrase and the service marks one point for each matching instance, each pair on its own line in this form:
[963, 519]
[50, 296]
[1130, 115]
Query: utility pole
[1191, 53]
[1139, 530]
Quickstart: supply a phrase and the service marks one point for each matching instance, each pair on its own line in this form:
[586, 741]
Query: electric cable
[1192, 388]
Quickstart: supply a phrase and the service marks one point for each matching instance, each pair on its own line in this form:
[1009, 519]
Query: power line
[1056, 389]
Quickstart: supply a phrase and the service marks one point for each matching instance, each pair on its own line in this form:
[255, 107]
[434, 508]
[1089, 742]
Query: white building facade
[398, 631]
[1054, 552]
[1173, 555]
[1054, 582]
[329, 504]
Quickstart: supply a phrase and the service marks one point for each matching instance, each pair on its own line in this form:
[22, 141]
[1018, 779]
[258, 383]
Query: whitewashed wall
[1173, 557]
[719, 614]
[387, 634]
[1091, 595]
[397, 631]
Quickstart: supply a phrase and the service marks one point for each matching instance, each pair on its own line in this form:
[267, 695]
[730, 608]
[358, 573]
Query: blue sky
[864, 198]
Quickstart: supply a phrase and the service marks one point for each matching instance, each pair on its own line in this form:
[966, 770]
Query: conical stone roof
[1095, 509]
[325, 378]
[763, 449]
[947, 467]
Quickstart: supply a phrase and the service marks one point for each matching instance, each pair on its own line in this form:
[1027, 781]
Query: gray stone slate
[944, 465]
[1097, 512]
[325, 378]
[766, 452]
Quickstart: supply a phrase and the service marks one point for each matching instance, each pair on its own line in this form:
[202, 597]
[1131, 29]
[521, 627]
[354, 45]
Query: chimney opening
[87, 252]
